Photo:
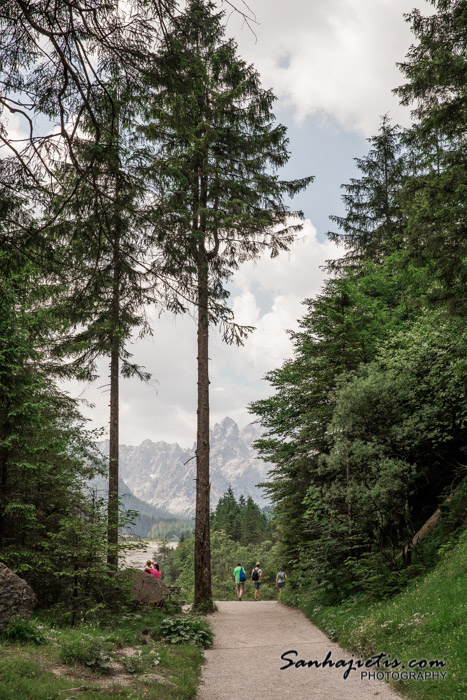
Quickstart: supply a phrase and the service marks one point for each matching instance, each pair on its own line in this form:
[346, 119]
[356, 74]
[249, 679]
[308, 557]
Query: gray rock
[17, 599]
[147, 588]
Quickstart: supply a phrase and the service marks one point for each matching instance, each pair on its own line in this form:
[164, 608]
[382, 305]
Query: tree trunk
[112, 525]
[203, 593]
[5, 430]
[347, 476]
[3, 487]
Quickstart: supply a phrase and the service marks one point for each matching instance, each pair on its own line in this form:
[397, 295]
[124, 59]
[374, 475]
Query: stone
[17, 599]
[147, 588]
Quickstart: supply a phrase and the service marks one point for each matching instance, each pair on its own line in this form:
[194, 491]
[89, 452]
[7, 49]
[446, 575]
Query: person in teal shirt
[240, 578]
[280, 581]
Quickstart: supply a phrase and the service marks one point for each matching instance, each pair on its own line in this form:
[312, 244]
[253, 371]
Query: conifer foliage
[366, 427]
[242, 520]
[436, 199]
[374, 222]
[45, 453]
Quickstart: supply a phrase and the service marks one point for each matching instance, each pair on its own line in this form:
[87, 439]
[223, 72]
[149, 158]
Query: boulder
[17, 599]
[147, 588]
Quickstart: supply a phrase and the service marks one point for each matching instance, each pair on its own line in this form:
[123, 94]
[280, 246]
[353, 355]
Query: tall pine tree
[220, 199]
[100, 240]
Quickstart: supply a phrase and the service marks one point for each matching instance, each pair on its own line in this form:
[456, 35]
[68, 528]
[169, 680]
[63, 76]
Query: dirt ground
[245, 659]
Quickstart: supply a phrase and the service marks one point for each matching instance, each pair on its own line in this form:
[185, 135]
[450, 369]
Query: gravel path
[245, 658]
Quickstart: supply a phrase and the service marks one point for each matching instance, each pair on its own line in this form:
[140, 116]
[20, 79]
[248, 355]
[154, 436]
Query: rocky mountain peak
[160, 473]
[226, 429]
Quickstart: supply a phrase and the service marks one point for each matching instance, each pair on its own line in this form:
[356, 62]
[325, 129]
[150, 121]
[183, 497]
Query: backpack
[255, 575]
[242, 576]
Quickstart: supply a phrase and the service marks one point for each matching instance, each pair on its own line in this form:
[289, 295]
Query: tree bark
[203, 592]
[112, 523]
[3, 487]
[4, 454]
[347, 476]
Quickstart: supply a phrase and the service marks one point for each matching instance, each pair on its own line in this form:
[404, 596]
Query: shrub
[23, 632]
[143, 660]
[86, 650]
[183, 630]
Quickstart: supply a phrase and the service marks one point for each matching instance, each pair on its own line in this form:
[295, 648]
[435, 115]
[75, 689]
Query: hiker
[280, 580]
[257, 577]
[152, 569]
[148, 567]
[240, 578]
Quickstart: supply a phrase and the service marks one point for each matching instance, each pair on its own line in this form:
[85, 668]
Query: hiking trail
[245, 658]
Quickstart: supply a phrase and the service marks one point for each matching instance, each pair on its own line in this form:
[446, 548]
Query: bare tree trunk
[203, 592]
[3, 488]
[348, 497]
[5, 428]
[112, 524]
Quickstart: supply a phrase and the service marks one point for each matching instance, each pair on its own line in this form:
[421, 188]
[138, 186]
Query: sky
[332, 66]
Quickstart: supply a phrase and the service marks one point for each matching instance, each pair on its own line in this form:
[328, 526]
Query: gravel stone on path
[244, 661]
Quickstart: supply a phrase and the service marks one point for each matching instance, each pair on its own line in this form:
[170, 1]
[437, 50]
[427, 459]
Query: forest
[366, 425]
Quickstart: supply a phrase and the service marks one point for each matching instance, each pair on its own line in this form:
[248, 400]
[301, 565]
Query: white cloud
[335, 58]
[12, 124]
[285, 281]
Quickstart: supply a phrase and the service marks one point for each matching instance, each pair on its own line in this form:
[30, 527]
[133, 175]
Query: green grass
[426, 621]
[157, 669]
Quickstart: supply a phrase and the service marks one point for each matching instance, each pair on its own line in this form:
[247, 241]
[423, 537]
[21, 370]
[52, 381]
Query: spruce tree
[226, 515]
[220, 199]
[99, 240]
[46, 456]
[373, 225]
[252, 523]
[435, 200]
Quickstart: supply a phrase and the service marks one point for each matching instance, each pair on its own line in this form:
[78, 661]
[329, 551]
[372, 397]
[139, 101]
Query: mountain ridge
[163, 474]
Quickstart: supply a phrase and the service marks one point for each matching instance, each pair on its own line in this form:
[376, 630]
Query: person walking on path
[257, 577]
[280, 580]
[240, 578]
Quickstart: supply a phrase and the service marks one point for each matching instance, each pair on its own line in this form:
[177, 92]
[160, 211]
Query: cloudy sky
[332, 66]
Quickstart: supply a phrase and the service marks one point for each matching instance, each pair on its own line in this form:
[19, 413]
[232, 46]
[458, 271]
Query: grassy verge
[426, 621]
[129, 658]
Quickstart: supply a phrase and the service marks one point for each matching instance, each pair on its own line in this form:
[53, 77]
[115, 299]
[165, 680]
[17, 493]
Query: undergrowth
[425, 621]
[145, 654]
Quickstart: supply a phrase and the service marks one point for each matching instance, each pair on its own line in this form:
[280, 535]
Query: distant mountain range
[149, 516]
[160, 474]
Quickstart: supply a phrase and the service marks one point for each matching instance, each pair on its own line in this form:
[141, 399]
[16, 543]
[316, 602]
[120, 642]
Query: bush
[86, 650]
[143, 660]
[186, 630]
[23, 632]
